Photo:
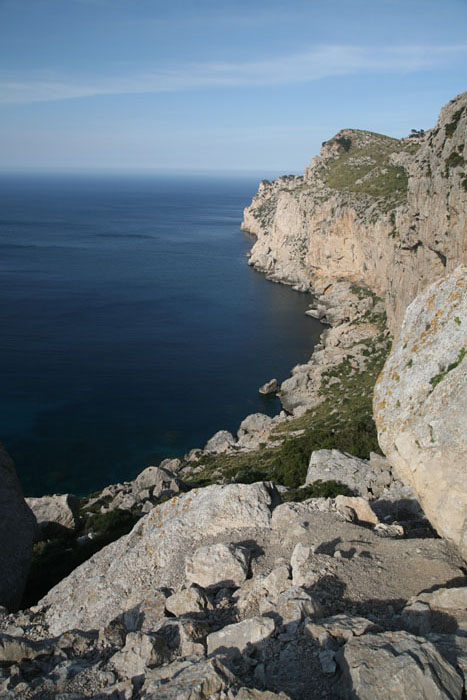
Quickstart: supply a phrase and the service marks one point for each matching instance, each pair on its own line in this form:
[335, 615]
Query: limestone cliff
[420, 400]
[387, 212]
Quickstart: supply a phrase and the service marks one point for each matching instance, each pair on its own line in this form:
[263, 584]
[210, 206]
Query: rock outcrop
[124, 575]
[18, 530]
[56, 515]
[326, 605]
[386, 212]
[420, 404]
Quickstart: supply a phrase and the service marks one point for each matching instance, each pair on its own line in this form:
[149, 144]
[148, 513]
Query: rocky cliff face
[386, 212]
[420, 400]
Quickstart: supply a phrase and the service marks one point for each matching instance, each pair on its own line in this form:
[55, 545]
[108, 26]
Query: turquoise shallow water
[132, 326]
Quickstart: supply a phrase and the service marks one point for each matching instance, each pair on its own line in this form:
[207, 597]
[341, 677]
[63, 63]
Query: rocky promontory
[371, 209]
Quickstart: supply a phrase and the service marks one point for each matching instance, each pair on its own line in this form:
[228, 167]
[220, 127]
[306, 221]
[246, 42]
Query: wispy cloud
[318, 63]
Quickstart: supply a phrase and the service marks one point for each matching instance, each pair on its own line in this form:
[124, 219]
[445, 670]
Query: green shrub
[318, 489]
[55, 559]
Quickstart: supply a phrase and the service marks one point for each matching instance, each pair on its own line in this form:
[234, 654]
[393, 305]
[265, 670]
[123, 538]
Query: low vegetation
[434, 381]
[55, 559]
[343, 420]
[366, 169]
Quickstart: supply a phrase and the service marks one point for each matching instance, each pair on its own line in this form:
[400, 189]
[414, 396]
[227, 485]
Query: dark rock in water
[18, 528]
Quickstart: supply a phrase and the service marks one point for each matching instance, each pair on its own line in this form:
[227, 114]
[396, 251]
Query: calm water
[131, 326]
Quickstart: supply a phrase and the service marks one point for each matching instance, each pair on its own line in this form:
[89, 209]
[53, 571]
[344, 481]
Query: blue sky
[216, 84]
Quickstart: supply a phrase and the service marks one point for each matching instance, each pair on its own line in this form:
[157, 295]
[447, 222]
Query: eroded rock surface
[123, 575]
[55, 515]
[332, 223]
[420, 404]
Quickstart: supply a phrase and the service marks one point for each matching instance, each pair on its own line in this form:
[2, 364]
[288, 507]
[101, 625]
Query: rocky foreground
[224, 592]
[332, 574]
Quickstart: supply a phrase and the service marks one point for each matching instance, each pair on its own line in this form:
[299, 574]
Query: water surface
[132, 326]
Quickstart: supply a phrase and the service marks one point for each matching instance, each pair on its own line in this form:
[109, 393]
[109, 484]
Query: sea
[132, 328]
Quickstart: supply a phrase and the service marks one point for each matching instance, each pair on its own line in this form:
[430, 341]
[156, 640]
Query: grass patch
[343, 421]
[434, 381]
[367, 170]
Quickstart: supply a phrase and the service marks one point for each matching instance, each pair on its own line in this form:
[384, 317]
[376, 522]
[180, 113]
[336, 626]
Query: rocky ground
[226, 588]
[239, 590]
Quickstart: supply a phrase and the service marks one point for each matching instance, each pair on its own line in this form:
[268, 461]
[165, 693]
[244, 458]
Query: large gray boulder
[241, 636]
[218, 565]
[397, 665]
[254, 430]
[56, 515]
[420, 404]
[355, 473]
[18, 529]
[123, 575]
[221, 441]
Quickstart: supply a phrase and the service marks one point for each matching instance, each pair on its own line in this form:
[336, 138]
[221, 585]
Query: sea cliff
[371, 209]
[293, 559]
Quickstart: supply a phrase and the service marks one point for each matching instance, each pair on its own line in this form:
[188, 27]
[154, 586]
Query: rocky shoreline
[292, 560]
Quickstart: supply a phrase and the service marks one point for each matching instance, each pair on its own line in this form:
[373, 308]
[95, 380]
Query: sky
[244, 85]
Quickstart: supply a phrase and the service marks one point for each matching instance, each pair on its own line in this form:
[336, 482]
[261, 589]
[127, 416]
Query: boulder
[14, 649]
[359, 506]
[342, 628]
[159, 480]
[333, 465]
[253, 430]
[187, 601]
[141, 651]
[304, 573]
[292, 605]
[18, 529]
[220, 442]
[123, 575]
[182, 637]
[189, 679]
[396, 665]
[240, 637]
[56, 515]
[218, 565]
[420, 404]
[271, 387]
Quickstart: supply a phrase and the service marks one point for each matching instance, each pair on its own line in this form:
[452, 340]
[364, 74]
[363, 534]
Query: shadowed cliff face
[387, 212]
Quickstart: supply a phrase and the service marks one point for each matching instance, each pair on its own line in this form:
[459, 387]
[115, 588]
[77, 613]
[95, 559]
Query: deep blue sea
[132, 328]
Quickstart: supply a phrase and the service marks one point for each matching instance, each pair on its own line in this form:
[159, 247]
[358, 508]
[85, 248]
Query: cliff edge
[386, 212]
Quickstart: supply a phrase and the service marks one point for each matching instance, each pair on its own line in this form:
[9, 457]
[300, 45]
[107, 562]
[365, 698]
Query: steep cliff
[420, 400]
[386, 212]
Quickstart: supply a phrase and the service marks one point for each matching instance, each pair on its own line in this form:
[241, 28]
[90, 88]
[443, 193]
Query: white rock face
[220, 565]
[360, 506]
[124, 575]
[308, 231]
[18, 528]
[238, 637]
[397, 665]
[254, 429]
[220, 442]
[420, 405]
[333, 465]
[55, 514]
[159, 480]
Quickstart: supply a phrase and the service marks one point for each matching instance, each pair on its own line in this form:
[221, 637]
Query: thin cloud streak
[321, 62]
